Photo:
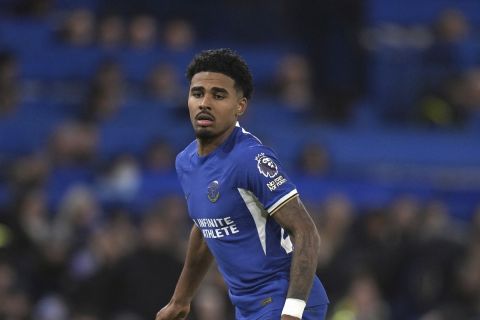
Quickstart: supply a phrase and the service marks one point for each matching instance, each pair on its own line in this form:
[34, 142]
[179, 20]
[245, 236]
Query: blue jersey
[231, 194]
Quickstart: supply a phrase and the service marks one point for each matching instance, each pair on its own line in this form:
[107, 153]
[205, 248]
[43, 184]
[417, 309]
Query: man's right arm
[198, 260]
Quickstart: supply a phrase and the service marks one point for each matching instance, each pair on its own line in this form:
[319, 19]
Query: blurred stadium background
[373, 106]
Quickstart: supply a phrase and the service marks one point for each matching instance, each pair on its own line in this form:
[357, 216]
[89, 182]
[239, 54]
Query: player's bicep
[294, 217]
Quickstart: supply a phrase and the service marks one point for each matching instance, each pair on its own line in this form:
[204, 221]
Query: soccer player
[246, 211]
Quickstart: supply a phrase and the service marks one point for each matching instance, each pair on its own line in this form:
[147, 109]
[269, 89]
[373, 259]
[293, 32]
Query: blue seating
[155, 185]
[29, 127]
[60, 63]
[263, 62]
[395, 80]
[138, 123]
[25, 35]
[69, 4]
[417, 12]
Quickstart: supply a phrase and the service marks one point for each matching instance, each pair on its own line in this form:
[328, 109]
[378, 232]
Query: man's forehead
[209, 79]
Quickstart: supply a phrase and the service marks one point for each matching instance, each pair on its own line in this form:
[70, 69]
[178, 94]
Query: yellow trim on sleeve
[283, 203]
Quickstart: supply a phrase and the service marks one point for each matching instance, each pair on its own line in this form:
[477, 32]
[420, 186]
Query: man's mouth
[204, 119]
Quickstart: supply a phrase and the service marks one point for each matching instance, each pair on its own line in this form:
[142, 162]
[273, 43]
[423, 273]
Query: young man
[246, 212]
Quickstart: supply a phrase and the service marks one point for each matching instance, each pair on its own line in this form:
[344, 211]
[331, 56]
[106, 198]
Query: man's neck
[208, 145]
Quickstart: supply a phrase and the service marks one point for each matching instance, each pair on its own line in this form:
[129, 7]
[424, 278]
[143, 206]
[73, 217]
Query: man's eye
[219, 97]
[196, 94]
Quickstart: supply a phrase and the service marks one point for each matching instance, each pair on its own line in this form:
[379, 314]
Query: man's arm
[198, 260]
[294, 218]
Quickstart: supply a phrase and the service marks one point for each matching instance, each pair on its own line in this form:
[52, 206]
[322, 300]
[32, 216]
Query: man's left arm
[294, 218]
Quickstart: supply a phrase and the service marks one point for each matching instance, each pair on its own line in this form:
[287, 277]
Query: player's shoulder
[184, 156]
[249, 147]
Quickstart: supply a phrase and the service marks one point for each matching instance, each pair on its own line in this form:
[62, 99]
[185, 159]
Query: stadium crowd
[87, 234]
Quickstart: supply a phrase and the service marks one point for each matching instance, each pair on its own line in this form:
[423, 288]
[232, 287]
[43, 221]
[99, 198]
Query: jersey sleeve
[178, 169]
[260, 172]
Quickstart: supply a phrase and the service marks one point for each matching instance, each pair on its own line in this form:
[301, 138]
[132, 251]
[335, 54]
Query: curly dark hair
[227, 62]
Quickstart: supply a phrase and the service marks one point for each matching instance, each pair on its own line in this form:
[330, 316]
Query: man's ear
[242, 106]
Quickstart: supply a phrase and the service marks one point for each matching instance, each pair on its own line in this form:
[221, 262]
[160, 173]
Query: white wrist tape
[294, 307]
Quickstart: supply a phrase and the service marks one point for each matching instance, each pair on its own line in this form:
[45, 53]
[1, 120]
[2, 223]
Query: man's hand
[286, 317]
[173, 311]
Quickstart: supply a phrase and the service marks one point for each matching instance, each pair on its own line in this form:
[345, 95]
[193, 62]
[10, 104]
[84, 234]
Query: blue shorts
[250, 309]
[310, 313]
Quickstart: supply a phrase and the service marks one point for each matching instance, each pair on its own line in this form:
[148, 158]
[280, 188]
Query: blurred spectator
[77, 218]
[112, 241]
[445, 57]
[27, 173]
[48, 273]
[122, 181]
[142, 32]
[437, 223]
[446, 106]
[333, 225]
[431, 275]
[5, 236]
[331, 31]
[160, 157]
[448, 84]
[314, 160]
[84, 315]
[475, 226]
[9, 83]
[93, 266]
[174, 209]
[73, 143]
[179, 35]
[472, 91]
[146, 278]
[452, 26]
[293, 83]
[51, 307]
[8, 279]
[108, 89]
[16, 305]
[404, 217]
[34, 8]
[338, 258]
[163, 85]
[78, 28]
[468, 281]
[101, 104]
[30, 225]
[9, 68]
[210, 304]
[111, 33]
[363, 301]
[109, 76]
[9, 99]
[454, 102]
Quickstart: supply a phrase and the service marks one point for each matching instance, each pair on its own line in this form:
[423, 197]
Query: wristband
[294, 307]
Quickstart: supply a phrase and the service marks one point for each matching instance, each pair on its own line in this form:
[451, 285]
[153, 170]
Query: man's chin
[204, 133]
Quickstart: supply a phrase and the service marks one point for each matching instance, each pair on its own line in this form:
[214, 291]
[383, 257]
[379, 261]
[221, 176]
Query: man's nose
[205, 103]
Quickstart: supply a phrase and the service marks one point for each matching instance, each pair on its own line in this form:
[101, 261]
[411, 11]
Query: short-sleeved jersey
[231, 194]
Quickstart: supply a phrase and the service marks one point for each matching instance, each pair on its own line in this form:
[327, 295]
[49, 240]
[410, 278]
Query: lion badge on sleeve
[266, 166]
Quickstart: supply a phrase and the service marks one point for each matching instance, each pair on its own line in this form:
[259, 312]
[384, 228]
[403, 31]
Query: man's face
[214, 104]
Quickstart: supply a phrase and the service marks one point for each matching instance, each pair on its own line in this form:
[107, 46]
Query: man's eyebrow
[213, 89]
[218, 89]
[197, 88]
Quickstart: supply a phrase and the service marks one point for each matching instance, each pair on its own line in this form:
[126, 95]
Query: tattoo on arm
[294, 218]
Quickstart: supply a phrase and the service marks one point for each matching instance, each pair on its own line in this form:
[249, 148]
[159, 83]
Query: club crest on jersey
[212, 191]
[266, 166]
